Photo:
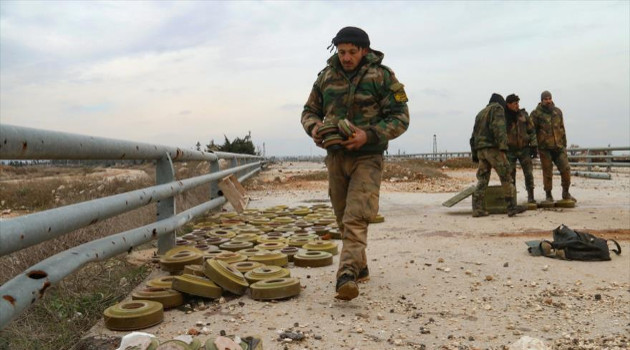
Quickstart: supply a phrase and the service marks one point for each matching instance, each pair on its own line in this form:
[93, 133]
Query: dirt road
[441, 279]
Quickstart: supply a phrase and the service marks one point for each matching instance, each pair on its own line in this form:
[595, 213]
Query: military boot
[530, 195]
[346, 288]
[567, 196]
[477, 205]
[512, 208]
[549, 196]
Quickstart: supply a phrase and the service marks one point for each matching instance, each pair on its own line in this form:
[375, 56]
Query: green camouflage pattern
[522, 156]
[549, 125]
[353, 186]
[521, 136]
[490, 158]
[521, 131]
[548, 157]
[371, 98]
[490, 128]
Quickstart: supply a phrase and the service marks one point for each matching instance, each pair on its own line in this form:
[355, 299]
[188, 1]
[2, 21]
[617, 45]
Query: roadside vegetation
[69, 309]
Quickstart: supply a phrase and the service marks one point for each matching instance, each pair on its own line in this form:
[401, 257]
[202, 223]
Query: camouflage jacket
[521, 132]
[490, 130]
[372, 99]
[549, 127]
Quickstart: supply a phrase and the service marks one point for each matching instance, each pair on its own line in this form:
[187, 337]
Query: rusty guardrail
[21, 143]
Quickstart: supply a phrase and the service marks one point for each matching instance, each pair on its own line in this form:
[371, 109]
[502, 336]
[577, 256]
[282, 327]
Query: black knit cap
[352, 35]
[512, 98]
[498, 99]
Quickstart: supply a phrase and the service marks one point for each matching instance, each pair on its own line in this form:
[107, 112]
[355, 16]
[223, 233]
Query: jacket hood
[496, 98]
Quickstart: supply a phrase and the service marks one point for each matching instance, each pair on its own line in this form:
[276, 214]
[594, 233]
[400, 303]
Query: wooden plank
[459, 197]
[234, 192]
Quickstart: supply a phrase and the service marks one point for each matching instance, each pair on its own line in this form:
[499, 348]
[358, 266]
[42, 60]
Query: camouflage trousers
[354, 183]
[558, 156]
[523, 156]
[490, 158]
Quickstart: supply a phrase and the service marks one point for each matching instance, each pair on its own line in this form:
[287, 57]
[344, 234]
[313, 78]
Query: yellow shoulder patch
[400, 96]
[399, 92]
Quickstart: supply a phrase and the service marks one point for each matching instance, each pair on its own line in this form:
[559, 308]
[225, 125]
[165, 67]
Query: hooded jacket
[549, 125]
[490, 130]
[370, 97]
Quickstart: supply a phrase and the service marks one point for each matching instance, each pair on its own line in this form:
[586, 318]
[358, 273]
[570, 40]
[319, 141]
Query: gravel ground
[440, 279]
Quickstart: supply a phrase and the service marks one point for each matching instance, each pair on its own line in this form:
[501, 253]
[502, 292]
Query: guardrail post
[234, 165]
[214, 185]
[589, 160]
[165, 173]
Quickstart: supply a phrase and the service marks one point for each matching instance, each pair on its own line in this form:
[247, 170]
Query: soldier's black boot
[512, 208]
[347, 288]
[364, 275]
[567, 196]
[549, 196]
[530, 195]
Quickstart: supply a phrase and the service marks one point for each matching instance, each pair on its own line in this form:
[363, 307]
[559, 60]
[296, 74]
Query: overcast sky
[175, 73]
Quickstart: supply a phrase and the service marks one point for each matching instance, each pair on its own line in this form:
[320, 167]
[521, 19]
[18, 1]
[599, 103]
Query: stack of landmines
[333, 134]
[238, 254]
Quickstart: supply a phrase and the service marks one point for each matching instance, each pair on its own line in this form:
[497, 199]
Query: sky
[180, 72]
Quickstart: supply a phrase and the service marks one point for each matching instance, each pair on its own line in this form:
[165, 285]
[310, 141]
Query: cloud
[175, 72]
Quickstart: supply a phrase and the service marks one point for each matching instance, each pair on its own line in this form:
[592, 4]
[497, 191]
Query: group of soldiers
[504, 134]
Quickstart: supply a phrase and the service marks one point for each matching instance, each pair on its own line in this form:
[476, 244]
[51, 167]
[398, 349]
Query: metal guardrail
[21, 143]
[602, 157]
[599, 156]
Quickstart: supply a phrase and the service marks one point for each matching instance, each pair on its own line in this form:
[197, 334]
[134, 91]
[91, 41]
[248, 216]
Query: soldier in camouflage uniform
[552, 145]
[521, 141]
[357, 87]
[488, 145]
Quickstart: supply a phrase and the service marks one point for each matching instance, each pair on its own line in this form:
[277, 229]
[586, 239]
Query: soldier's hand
[357, 141]
[475, 159]
[318, 140]
[533, 152]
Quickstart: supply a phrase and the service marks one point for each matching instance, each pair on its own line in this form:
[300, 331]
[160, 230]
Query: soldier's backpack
[575, 245]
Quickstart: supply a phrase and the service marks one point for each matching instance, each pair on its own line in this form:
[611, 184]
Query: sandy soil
[441, 279]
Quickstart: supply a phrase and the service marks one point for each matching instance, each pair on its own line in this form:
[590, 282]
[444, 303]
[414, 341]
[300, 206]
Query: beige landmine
[270, 257]
[230, 257]
[197, 285]
[169, 298]
[235, 246]
[161, 282]
[324, 246]
[175, 259]
[265, 273]
[132, 315]
[313, 259]
[226, 276]
[275, 288]
[245, 266]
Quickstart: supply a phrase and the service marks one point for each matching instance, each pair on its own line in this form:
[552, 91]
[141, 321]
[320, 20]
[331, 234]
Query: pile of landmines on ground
[246, 253]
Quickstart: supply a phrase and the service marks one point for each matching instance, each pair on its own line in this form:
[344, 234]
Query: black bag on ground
[579, 245]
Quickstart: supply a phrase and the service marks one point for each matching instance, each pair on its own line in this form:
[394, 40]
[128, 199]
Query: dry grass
[403, 170]
[70, 308]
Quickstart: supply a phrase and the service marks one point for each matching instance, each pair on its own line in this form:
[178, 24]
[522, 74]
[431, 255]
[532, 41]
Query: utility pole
[434, 147]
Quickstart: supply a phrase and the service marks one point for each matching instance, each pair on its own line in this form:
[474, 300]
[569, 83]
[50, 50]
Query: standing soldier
[521, 140]
[366, 100]
[488, 145]
[552, 145]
